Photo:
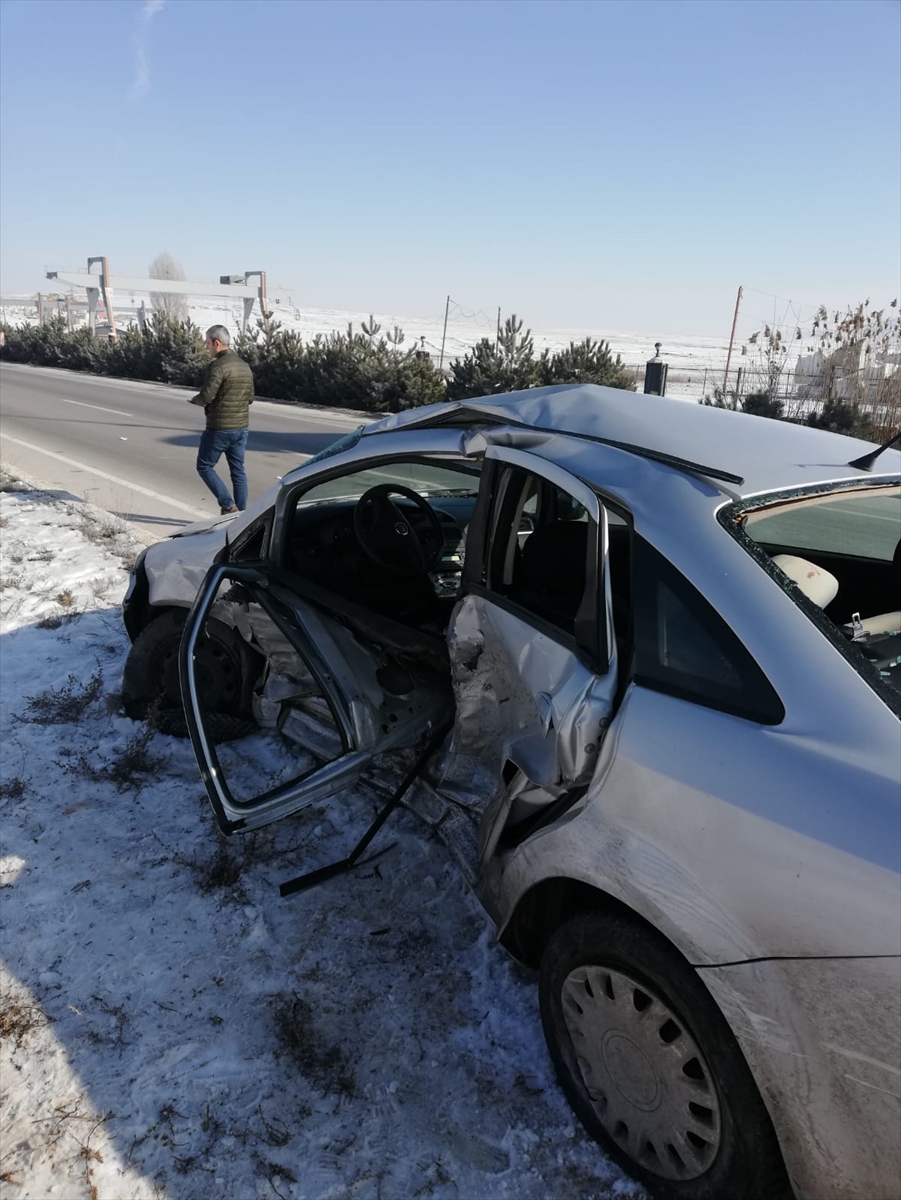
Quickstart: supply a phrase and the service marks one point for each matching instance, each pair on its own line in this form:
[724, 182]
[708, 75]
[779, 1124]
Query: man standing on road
[226, 395]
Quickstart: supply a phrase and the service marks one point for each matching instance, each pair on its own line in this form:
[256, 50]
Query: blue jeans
[213, 444]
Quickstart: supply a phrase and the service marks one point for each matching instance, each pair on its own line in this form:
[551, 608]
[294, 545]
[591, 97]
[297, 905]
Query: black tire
[615, 989]
[227, 670]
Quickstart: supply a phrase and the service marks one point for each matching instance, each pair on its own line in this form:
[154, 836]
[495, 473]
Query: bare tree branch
[167, 304]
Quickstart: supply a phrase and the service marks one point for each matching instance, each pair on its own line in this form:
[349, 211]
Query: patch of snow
[172, 1030]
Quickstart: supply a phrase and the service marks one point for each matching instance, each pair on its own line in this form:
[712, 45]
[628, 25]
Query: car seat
[549, 576]
[817, 584]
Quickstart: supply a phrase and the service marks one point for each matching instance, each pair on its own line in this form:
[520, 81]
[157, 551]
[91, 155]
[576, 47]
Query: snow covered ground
[172, 1030]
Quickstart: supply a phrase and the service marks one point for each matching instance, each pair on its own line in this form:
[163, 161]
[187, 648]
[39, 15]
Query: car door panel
[531, 706]
[524, 697]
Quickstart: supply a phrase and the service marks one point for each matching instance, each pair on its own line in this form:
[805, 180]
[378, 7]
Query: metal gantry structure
[98, 282]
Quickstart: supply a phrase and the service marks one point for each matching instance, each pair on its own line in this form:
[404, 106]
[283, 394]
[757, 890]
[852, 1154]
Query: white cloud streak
[141, 82]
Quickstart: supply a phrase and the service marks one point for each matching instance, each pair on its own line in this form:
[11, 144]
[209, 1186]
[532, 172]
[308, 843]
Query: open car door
[340, 685]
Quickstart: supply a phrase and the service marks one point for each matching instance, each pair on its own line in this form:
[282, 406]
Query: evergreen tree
[509, 365]
[371, 329]
[395, 337]
[762, 404]
[589, 361]
[842, 416]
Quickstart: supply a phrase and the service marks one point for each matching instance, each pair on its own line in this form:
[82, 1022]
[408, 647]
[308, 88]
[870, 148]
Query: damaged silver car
[639, 663]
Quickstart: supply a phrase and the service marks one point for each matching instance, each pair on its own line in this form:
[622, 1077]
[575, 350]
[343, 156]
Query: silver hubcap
[646, 1078]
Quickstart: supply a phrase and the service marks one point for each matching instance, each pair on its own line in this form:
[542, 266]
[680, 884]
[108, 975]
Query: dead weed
[128, 768]
[12, 789]
[66, 705]
[18, 1019]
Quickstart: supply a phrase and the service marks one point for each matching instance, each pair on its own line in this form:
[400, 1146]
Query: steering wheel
[387, 537]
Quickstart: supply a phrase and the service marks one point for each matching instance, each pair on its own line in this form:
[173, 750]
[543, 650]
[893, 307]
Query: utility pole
[497, 336]
[106, 291]
[444, 335]
[264, 302]
[731, 340]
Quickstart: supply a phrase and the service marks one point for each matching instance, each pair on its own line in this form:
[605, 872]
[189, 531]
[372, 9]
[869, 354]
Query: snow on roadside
[169, 1028]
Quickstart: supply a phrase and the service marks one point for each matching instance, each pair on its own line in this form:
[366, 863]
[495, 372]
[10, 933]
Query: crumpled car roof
[759, 453]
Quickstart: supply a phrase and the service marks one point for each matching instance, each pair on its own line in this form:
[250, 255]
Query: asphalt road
[129, 447]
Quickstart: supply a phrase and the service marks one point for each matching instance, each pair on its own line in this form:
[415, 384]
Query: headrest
[816, 584]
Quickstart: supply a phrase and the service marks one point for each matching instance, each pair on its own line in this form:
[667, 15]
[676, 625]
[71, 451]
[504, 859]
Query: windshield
[843, 550]
[428, 477]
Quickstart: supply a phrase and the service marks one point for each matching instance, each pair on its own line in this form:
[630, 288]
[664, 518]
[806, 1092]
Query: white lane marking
[867, 516]
[328, 419]
[133, 487]
[81, 404]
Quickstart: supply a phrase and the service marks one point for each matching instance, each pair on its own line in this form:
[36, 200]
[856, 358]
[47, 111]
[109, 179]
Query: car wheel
[227, 670]
[650, 1066]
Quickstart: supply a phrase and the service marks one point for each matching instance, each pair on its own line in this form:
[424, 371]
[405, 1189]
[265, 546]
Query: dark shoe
[224, 511]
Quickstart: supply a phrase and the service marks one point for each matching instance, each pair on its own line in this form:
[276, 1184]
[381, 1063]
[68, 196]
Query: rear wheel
[650, 1066]
[227, 670]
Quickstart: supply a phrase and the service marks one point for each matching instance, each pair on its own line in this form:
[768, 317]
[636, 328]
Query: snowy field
[695, 363]
[172, 1030]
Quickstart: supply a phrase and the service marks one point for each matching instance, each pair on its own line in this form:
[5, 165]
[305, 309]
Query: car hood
[176, 567]
[204, 526]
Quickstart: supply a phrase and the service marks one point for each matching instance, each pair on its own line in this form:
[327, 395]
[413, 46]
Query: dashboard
[323, 547]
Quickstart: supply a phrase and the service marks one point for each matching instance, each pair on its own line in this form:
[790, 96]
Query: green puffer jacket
[227, 392]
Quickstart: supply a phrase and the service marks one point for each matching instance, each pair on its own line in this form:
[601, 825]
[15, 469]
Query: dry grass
[101, 530]
[65, 706]
[12, 789]
[129, 768]
[56, 620]
[18, 1019]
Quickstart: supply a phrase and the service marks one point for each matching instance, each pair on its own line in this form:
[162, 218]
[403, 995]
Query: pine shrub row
[356, 369]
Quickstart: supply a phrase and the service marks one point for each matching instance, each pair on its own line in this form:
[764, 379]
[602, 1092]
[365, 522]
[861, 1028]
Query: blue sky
[587, 164]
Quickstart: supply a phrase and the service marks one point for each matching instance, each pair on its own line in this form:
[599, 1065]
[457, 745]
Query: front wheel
[650, 1066]
[227, 670]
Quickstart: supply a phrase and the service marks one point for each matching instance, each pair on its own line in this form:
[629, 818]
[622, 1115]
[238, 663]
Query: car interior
[400, 551]
[843, 551]
[381, 552]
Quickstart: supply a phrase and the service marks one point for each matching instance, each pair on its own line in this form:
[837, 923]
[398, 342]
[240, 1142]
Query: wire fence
[867, 385]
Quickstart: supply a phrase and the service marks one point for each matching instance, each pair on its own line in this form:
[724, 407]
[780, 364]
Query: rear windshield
[852, 542]
[861, 524]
